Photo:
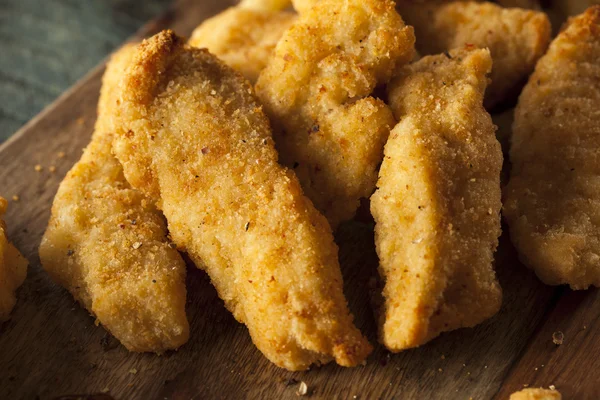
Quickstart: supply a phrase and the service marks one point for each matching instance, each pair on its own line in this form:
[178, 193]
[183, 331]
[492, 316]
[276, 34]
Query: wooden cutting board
[51, 346]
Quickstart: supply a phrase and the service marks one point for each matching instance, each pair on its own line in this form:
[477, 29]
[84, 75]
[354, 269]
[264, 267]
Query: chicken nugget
[437, 205]
[13, 269]
[317, 91]
[193, 136]
[536, 394]
[516, 38]
[244, 38]
[552, 202]
[107, 244]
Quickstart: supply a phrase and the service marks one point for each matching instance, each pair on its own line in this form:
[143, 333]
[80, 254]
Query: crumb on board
[558, 338]
[302, 389]
[105, 390]
[133, 371]
[38, 168]
[61, 154]
[16, 197]
[52, 168]
[552, 387]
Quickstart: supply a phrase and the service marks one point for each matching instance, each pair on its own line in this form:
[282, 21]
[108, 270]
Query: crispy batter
[106, 243]
[536, 394]
[528, 4]
[316, 89]
[13, 269]
[552, 201]
[193, 136]
[243, 38]
[437, 206]
[265, 5]
[516, 38]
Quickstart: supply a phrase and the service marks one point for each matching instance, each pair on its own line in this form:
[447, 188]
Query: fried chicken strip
[193, 137]
[516, 38]
[552, 202]
[13, 269]
[107, 244]
[437, 206]
[317, 91]
[536, 394]
[243, 37]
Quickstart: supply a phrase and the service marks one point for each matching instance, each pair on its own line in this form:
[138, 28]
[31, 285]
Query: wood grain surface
[52, 348]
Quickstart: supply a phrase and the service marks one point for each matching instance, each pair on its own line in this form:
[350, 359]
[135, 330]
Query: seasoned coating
[265, 5]
[528, 4]
[552, 202]
[317, 91]
[193, 136]
[536, 394]
[13, 269]
[516, 38]
[107, 244]
[437, 206]
[243, 38]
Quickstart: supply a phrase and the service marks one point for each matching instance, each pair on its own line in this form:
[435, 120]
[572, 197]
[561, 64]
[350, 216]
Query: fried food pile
[13, 268]
[251, 182]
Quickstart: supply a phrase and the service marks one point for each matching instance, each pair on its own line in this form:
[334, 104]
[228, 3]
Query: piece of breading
[243, 38]
[107, 244]
[317, 91]
[193, 136]
[265, 5]
[437, 206]
[536, 394]
[528, 4]
[516, 38]
[552, 203]
[13, 269]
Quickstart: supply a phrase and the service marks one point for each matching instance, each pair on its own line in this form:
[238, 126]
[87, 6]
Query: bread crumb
[558, 338]
[552, 387]
[302, 389]
[16, 197]
[37, 168]
[61, 154]
[52, 168]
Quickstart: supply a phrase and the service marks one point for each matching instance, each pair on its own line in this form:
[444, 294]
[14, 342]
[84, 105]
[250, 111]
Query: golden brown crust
[516, 38]
[551, 202]
[536, 394]
[317, 91]
[243, 38]
[13, 268]
[437, 206]
[107, 244]
[196, 128]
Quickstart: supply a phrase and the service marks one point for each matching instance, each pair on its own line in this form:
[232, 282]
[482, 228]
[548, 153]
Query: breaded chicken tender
[107, 244]
[193, 137]
[437, 206]
[317, 91]
[516, 38]
[536, 394]
[552, 202]
[244, 38]
[13, 269]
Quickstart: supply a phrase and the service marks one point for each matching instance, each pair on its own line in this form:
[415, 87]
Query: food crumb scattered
[61, 154]
[15, 197]
[52, 168]
[443, 357]
[302, 389]
[558, 338]
[105, 390]
[440, 370]
[37, 168]
[552, 387]
[133, 371]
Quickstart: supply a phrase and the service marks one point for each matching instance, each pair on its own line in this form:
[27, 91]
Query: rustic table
[47, 46]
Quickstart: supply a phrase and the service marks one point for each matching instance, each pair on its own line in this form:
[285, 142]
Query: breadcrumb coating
[243, 38]
[107, 244]
[552, 200]
[317, 91]
[13, 269]
[437, 206]
[265, 5]
[193, 137]
[516, 38]
[536, 394]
